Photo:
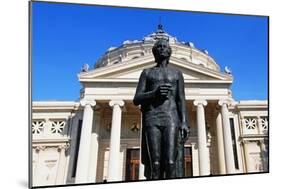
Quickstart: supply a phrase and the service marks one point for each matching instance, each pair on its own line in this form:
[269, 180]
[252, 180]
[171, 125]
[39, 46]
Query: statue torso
[162, 111]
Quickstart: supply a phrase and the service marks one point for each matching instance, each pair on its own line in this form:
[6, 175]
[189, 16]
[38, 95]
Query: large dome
[139, 48]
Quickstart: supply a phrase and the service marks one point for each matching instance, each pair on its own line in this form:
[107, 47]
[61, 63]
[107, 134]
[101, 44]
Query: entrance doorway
[133, 162]
[188, 162]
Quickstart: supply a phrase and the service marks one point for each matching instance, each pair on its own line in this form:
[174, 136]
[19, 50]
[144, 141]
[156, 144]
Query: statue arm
[141, 95]
[182, 107]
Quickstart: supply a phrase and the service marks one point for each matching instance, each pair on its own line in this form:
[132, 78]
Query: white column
[141, 166]
[94, 149]
[114, 173]
[228, 149]
[204, 158]
[141, 172]
[85, 143]
[220, 145]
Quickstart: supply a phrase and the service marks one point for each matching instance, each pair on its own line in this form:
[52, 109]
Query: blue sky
[66, 36]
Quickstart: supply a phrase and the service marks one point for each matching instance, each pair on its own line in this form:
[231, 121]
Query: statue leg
[170, 141]
[180, 158]
[154, 143]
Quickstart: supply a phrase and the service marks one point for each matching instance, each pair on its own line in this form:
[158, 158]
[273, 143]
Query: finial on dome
[160, 34]
[160, 27]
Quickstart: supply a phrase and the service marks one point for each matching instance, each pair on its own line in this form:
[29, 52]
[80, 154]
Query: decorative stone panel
[131, 127]
[49, 128]
[57, 126]
[250, 125]
[38, 127]
[263, 125]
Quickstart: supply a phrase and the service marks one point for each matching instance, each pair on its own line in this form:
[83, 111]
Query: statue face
[161, 50]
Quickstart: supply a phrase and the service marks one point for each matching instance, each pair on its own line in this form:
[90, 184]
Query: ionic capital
[116, 102]
[84, 102]
[200, 102]
[224, 102]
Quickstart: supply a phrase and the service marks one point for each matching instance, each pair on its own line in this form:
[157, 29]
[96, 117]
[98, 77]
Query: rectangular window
[231, 120]
[77, 147]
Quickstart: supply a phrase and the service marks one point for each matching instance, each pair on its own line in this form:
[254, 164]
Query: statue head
[161, 50]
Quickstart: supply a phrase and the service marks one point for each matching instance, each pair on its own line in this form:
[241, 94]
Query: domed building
[97, 139]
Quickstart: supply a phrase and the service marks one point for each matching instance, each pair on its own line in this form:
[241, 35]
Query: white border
[14, 90]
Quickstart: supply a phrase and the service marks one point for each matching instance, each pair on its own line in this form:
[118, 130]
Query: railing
[252, 125]
[53, 128]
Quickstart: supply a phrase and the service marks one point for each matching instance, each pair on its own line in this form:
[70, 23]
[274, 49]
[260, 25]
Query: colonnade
[224, 141]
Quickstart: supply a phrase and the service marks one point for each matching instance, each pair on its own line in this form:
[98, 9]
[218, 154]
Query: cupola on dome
[134, 49]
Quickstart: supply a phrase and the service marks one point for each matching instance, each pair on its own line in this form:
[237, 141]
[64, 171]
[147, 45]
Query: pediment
[131, 71]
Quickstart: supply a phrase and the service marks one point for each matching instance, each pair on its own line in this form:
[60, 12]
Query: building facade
[97, 139]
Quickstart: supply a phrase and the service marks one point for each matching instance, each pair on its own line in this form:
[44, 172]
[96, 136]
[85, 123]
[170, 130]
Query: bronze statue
[160, 92]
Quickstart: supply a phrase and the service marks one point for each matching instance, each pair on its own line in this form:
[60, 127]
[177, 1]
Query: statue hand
[163, 90]
[184, 131]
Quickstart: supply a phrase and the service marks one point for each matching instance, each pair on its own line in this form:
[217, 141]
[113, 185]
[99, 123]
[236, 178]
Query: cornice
[55, 105]
[125, 80]
[255, 104]
[100, 74]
